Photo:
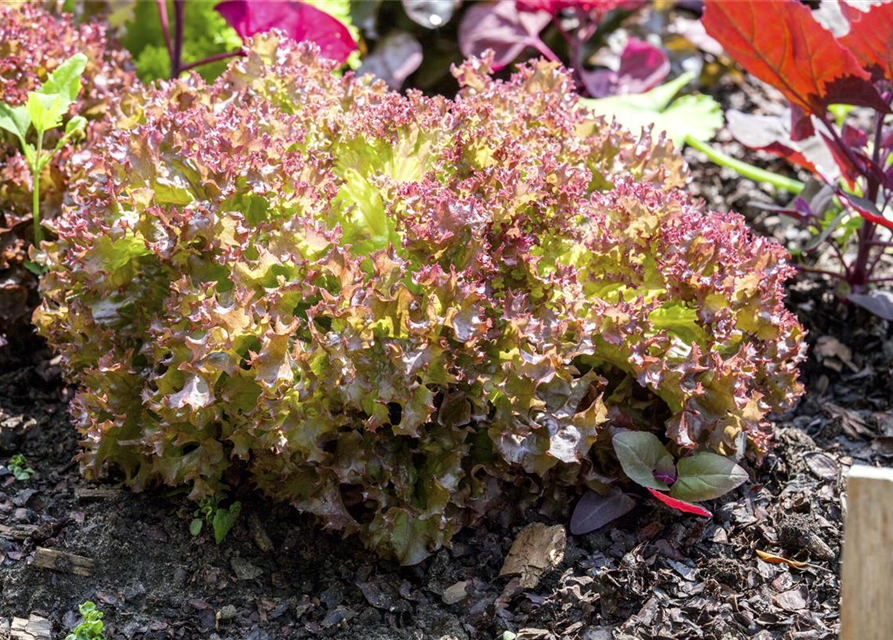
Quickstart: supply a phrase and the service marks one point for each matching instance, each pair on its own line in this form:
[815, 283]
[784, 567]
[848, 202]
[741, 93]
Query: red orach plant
[783, 44]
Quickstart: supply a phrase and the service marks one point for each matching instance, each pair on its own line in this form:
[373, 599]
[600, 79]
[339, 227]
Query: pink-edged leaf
[870, 38]
[781, 43]
[298, 20]
[642, 67]
[594, 510]
[680, 505]
[501, 27]
[865, 208]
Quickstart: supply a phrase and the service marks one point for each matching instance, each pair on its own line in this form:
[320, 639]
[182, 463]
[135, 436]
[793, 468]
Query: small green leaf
[46, 111]
[74, 128]
[65, 81]
[224, 520]
[15, 120]
[34, 268]
[641, 454]
[195, 527]
[705, 476]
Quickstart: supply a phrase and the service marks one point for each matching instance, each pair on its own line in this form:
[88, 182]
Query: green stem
[747, 170]
[35, 197]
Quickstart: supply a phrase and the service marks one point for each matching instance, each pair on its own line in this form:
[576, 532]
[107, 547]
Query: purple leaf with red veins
[501, 27]
[557, 6]
[642, 67]
[773, 135]
[300, 21]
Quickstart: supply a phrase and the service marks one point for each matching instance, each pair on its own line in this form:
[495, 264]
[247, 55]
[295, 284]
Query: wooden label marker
[866, 605]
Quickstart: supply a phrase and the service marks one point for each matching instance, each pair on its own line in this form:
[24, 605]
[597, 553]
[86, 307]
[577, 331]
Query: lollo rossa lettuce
[399, 312]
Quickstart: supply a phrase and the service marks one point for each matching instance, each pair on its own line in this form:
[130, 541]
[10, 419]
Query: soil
[651, 574]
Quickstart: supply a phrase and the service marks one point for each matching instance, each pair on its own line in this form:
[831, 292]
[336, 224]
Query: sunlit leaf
[301, 21]
[781, 43]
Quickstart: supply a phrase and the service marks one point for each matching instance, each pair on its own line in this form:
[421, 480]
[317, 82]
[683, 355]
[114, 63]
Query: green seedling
[19, 468]
[44, 111]
[221, 519]
[90, 627]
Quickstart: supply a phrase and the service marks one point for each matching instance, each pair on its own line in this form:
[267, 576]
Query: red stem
[821, 272]
[215, 58]
[165, 24]
[859, 272]
[177, 52]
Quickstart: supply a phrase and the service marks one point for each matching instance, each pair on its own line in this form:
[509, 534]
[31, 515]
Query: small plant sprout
[90, 627]
[19, 468]
[44, 111]
[221, 519]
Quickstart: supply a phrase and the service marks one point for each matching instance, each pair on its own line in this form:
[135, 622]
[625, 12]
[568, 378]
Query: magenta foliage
[300, 21]
[508, 27]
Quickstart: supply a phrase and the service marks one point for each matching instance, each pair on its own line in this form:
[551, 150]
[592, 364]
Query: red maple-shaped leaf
[871, 38]
[680, 505]
[781, 43]
[298, 20]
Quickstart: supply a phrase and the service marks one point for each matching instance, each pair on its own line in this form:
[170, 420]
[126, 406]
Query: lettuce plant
[400, 312]
[851, 156]
[34, 45]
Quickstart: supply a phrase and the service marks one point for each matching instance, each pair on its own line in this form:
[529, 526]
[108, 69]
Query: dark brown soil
[653, 574]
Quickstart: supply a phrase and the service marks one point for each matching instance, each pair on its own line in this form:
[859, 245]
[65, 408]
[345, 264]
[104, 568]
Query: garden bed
[652, 574]
[765, 565]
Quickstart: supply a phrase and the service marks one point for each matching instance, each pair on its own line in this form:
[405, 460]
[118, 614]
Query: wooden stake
[63, 561]
[866, 611]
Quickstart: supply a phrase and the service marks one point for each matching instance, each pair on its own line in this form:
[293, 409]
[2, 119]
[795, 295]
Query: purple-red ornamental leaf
[594, 510]
[394, 59]
[300, 21]
[642, 67]
[501, 27]
[877, 301]
[781, 43]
